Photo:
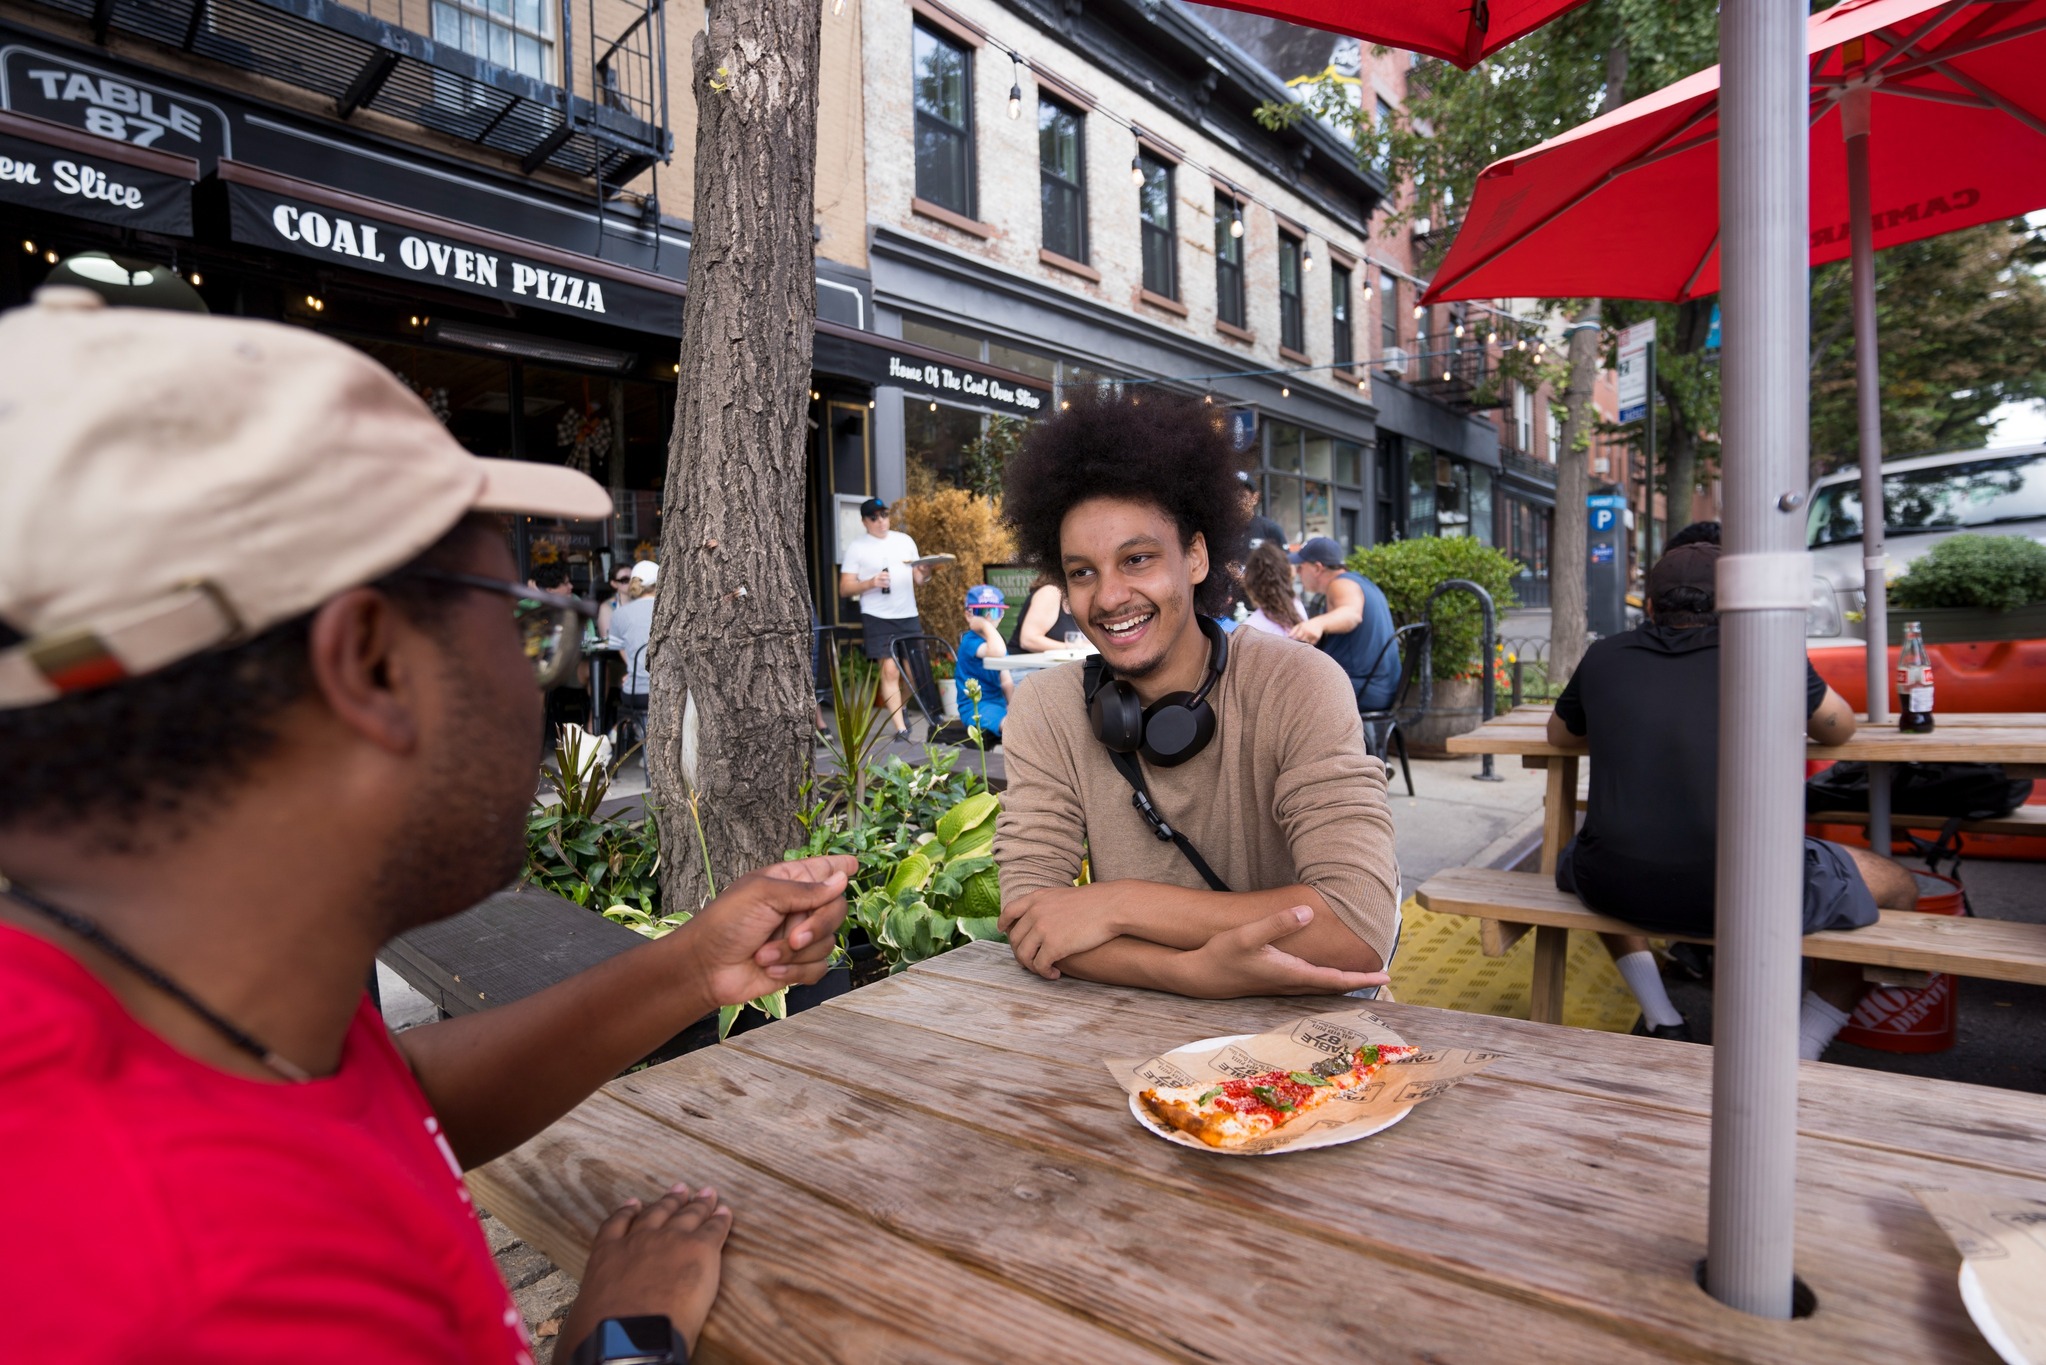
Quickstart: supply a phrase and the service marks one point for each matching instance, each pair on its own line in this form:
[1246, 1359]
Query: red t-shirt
[158, 1209]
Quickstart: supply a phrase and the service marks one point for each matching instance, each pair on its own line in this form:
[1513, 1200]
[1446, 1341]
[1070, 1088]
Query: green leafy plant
[604, 862]
[1407, 571]
[856, 729]
[1989, 573]
[923, 838]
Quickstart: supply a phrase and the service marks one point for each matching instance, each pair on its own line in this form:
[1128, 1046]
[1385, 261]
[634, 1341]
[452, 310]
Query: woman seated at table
[1268, 584]
[981, 642]
[1648, 701]
[1045, 624]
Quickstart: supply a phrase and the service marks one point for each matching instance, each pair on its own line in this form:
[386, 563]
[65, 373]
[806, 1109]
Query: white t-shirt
[631, 625]
[867, 556]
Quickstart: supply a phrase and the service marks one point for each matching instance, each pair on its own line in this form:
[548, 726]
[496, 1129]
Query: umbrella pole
[1854, 107]
[1763, 588]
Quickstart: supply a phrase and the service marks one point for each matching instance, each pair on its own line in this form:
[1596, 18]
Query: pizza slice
[1234, 1112]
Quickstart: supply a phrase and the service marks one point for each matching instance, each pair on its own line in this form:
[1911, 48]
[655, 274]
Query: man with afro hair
[1131, 504]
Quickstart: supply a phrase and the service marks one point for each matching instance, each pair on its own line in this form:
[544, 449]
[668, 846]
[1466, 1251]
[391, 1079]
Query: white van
[1925, 500]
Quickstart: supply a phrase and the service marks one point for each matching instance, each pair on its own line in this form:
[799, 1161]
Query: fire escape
[610, 135]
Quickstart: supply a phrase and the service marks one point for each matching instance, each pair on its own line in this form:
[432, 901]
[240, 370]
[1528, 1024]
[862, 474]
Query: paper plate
[1984, 1313]
[1324, 1138]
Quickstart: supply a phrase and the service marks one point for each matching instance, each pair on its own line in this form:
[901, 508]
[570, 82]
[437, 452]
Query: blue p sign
[1602, 518]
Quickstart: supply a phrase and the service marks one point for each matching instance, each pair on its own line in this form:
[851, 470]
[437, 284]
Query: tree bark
[729, 662]
[1573, 483]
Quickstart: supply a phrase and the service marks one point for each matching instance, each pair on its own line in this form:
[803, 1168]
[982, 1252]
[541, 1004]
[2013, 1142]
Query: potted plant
[1408, 572]
[1972, 588]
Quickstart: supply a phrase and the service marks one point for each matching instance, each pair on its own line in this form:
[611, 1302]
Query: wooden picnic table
[939, 1168]
[2016, 740]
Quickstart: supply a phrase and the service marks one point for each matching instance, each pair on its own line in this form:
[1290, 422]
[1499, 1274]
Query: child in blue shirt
[981, 642]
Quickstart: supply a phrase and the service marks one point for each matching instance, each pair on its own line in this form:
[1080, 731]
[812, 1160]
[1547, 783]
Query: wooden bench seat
[2025, 820]
[1903, 940]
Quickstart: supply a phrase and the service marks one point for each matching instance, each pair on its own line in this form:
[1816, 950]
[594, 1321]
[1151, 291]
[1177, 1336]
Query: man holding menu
[882, 569]
[1214, 789]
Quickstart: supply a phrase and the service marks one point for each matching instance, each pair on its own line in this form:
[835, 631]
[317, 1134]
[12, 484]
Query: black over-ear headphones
[1170, 730]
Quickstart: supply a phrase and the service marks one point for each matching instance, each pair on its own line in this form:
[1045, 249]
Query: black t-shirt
[1648, 701]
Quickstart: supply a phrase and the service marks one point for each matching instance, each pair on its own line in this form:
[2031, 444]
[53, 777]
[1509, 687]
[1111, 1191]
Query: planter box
[1967, 625]
[1456, 708]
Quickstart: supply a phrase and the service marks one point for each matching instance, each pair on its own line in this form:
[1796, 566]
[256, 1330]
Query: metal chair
[912, 655]
[1382, 728]
[632, 706]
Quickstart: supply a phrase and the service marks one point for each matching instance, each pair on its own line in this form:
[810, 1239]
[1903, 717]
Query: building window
[1229, 306]
[1381, 153]
[1388, 311]
[1155, 210]
[1523, 419]
[1341, 347]
[944, 122]
[1062, 178]
[514, 34]
[1292, 326]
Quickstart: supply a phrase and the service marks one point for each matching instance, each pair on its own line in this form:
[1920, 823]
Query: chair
[912, 655]
[1382, 728]
[632, 706]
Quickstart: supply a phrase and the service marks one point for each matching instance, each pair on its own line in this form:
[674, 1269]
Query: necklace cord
[92, 933]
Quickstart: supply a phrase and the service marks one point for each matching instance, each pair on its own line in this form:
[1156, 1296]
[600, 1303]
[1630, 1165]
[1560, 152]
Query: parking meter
[1605, 581]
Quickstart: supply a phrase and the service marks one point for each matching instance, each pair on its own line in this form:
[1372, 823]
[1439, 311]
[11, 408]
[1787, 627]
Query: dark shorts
[878, 634]
[1835, 896]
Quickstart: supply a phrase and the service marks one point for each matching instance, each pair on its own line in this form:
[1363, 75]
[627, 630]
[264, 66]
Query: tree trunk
[1573, 484]
[1683, 478]
[731, 704]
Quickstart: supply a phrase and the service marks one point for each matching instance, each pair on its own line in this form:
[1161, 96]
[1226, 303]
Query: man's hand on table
[1057, 922]
[1243, 961]
[773, 927]
[661, 1258]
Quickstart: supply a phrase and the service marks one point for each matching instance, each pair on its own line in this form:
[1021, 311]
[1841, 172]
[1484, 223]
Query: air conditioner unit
[1394, 361]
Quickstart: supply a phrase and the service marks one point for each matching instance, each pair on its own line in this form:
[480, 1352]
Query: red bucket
[1891, 1019]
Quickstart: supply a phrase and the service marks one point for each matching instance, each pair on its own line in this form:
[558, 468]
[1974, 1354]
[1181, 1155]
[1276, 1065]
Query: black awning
[57, 169]
[926, 372]
[267, 209]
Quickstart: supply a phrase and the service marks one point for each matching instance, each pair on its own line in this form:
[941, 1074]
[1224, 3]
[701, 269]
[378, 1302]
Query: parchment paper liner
[2002, 1240]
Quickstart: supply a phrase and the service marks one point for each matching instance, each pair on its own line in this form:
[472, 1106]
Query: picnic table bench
[1508, 905]
[1901, 941]
[939, 1168]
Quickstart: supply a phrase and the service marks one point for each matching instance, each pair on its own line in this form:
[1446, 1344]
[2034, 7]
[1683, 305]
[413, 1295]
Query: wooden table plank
[1579, 1214]
[938, 1168]
[1979, 1125]
[1979, 738]
[803, 1280]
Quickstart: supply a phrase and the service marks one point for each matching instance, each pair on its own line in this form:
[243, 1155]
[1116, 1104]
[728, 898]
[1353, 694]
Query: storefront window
[1321, 457]
[1286, 440]
[1316, 516]
[1282, 504]
[1452, 499]
[470, 393]
[1481, 503]
[963, 344]
[1023, 362]
[1420, 489]
[1349, 463]
[934, 438]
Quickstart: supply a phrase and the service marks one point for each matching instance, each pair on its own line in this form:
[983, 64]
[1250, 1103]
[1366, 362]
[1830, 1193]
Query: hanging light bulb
[29, 247]
[1446, 376]
[1137, 171]
[1207, 398]
[1236, 221]
[1015, 89]
[934, 405]
[1285, 392]
[1307, 256]
[1367, 291]
[1520, 345]
[196, 279]
[1361, 387]
[1491, 338]
[50, 256]
[1419, 312]
[1459, 329]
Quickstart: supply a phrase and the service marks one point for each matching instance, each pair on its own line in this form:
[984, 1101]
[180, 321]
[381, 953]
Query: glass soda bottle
[1914, 683]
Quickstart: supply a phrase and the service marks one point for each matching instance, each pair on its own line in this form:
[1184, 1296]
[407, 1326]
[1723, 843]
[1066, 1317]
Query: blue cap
[871, 508]
[1319, 550]
[984, 595]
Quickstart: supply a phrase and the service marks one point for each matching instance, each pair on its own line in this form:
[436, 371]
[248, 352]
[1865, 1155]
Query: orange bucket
[1892, 1019]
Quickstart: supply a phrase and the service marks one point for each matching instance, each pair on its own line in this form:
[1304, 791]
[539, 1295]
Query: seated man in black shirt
[1648, 700]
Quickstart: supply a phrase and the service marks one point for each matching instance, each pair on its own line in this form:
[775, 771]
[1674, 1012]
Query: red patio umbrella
[1460, 31]
[1925, 116]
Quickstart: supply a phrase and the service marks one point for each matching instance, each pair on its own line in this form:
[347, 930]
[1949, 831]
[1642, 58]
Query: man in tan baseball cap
[289, 712]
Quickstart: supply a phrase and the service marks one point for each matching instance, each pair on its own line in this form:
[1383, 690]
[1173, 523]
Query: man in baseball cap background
[1354, 626]
[292, 713]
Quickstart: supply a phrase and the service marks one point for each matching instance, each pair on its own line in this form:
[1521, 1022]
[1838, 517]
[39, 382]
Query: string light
[1236, 221]
[934, 405]
[1137, 170]
[1285, 392]
[1367, 291]
[1419, 312]
[50, 256]
[1491, 338]
[316, 303]
[1459, 329]
[1015, 87]
[196, 279]
[1307, 256]
[29, 247]
[814, 395]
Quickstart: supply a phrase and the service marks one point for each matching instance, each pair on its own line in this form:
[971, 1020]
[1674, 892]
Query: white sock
[1818, 1023]
[1646, 983]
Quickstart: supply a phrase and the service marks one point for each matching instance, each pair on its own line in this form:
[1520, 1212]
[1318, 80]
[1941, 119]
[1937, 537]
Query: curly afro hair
[1165, 449]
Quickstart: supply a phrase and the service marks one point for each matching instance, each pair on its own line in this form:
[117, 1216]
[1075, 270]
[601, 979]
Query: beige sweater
[1284, 794]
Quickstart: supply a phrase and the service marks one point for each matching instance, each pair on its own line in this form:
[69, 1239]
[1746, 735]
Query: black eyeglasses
[550, 623]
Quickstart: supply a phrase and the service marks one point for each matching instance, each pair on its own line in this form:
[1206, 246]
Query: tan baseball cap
[170, 483]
